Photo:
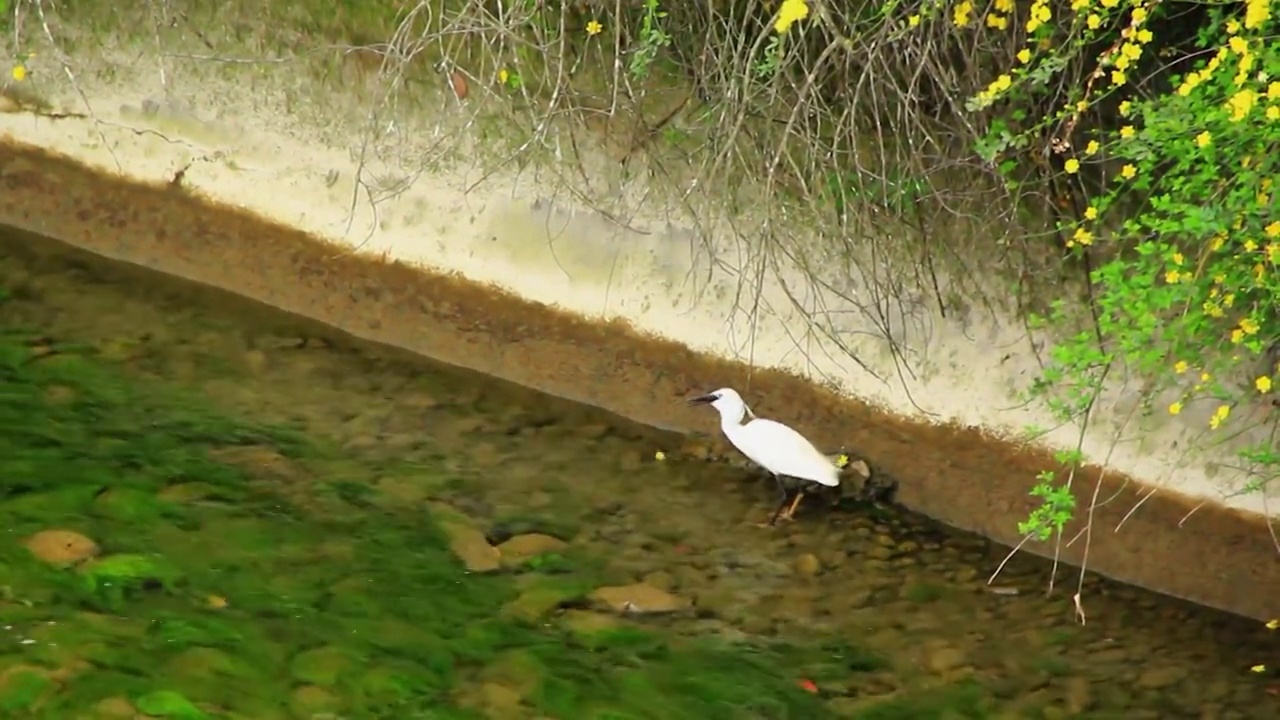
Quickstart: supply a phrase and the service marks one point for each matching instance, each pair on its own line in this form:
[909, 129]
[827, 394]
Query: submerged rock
[114, 707]
[523, 548]
[808, 565]
[25, 687]
[537, 601]
[638, 598]
[495, 701]
[321, 666]
[61, 547]
[310, 701]
[585, 622]
[471, 547]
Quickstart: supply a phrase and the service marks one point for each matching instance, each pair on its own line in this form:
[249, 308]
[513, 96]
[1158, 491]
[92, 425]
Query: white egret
[771, 445]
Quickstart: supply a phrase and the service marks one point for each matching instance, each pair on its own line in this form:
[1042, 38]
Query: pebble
[638, 598]
[808, 565]
[61, 547]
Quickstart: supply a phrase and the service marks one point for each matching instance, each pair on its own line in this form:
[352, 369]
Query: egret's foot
[774, 521]
[790, 514]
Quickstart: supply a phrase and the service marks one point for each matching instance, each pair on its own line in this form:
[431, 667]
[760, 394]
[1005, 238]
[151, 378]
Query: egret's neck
[732, 418]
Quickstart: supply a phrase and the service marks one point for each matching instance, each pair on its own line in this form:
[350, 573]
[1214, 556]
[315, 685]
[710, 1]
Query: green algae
[227, 590]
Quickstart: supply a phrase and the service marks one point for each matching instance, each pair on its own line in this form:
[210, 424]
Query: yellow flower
[789, 13]
[1082, 237]
[1238, 45]
[1241, 103]
[1139, 14]
[1126, 132]
[1273, 91]
[1024, 57]
[1082, 105]
[1249, 326]
[1273, 112]
[913, 21]
[1172, 277]
[1233, 27]
[1180, 366]
[1091, 213]
[997, 22]
[1256, 12]
[19, 72]
[659, 456]
[1093, 21]
[1125, 107]
[1263, 383]
[960, 16]
[1128, 171]
[1219, 416]
[1110, 3]
[1092, 147]
[503, 76]
[1204, 377]
[1273, 230]
[1004, 6]
[1175, 408]
[1178, 259]
[842, 461]
[1237, 336]
[1117, 77]
[594, 27]
[1203, 139]
[1258, 668]
[1273, 624]
[1072, 166]
[1145, 36]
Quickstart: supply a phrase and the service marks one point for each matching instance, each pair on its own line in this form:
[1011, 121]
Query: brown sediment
[960, 475]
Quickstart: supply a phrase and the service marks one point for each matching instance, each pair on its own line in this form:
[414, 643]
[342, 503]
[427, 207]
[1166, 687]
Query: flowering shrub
[1171, 146]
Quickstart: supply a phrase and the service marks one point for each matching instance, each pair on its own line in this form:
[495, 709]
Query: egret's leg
[788, 515]
[782, 502]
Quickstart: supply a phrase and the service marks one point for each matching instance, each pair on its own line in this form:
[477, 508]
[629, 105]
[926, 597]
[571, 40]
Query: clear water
[280, 511]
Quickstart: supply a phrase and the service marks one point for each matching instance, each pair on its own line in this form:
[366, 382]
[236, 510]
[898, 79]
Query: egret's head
[726, 400]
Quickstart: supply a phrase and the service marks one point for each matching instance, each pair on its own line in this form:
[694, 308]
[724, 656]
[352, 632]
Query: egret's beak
[704, 399]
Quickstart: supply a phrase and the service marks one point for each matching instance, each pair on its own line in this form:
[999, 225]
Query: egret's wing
[782, 450]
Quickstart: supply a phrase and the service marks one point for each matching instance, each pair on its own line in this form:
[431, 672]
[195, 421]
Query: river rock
[585, 622]
[493, 700]
[469, 544]
[61, 547]
[322, 666]
[114, 707]
[312, 701]
[1159, 677]
[26, 687]
[808, 565]
[522, 548]
[942, 659]
[638, 598]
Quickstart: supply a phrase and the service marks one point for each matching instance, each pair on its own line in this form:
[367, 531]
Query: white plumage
[771, 445]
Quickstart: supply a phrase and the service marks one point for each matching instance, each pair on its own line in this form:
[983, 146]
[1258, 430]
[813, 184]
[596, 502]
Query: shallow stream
[273, 520]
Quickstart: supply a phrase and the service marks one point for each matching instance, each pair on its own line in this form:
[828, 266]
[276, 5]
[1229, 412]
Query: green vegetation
[218, 592]
[1166, 151]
